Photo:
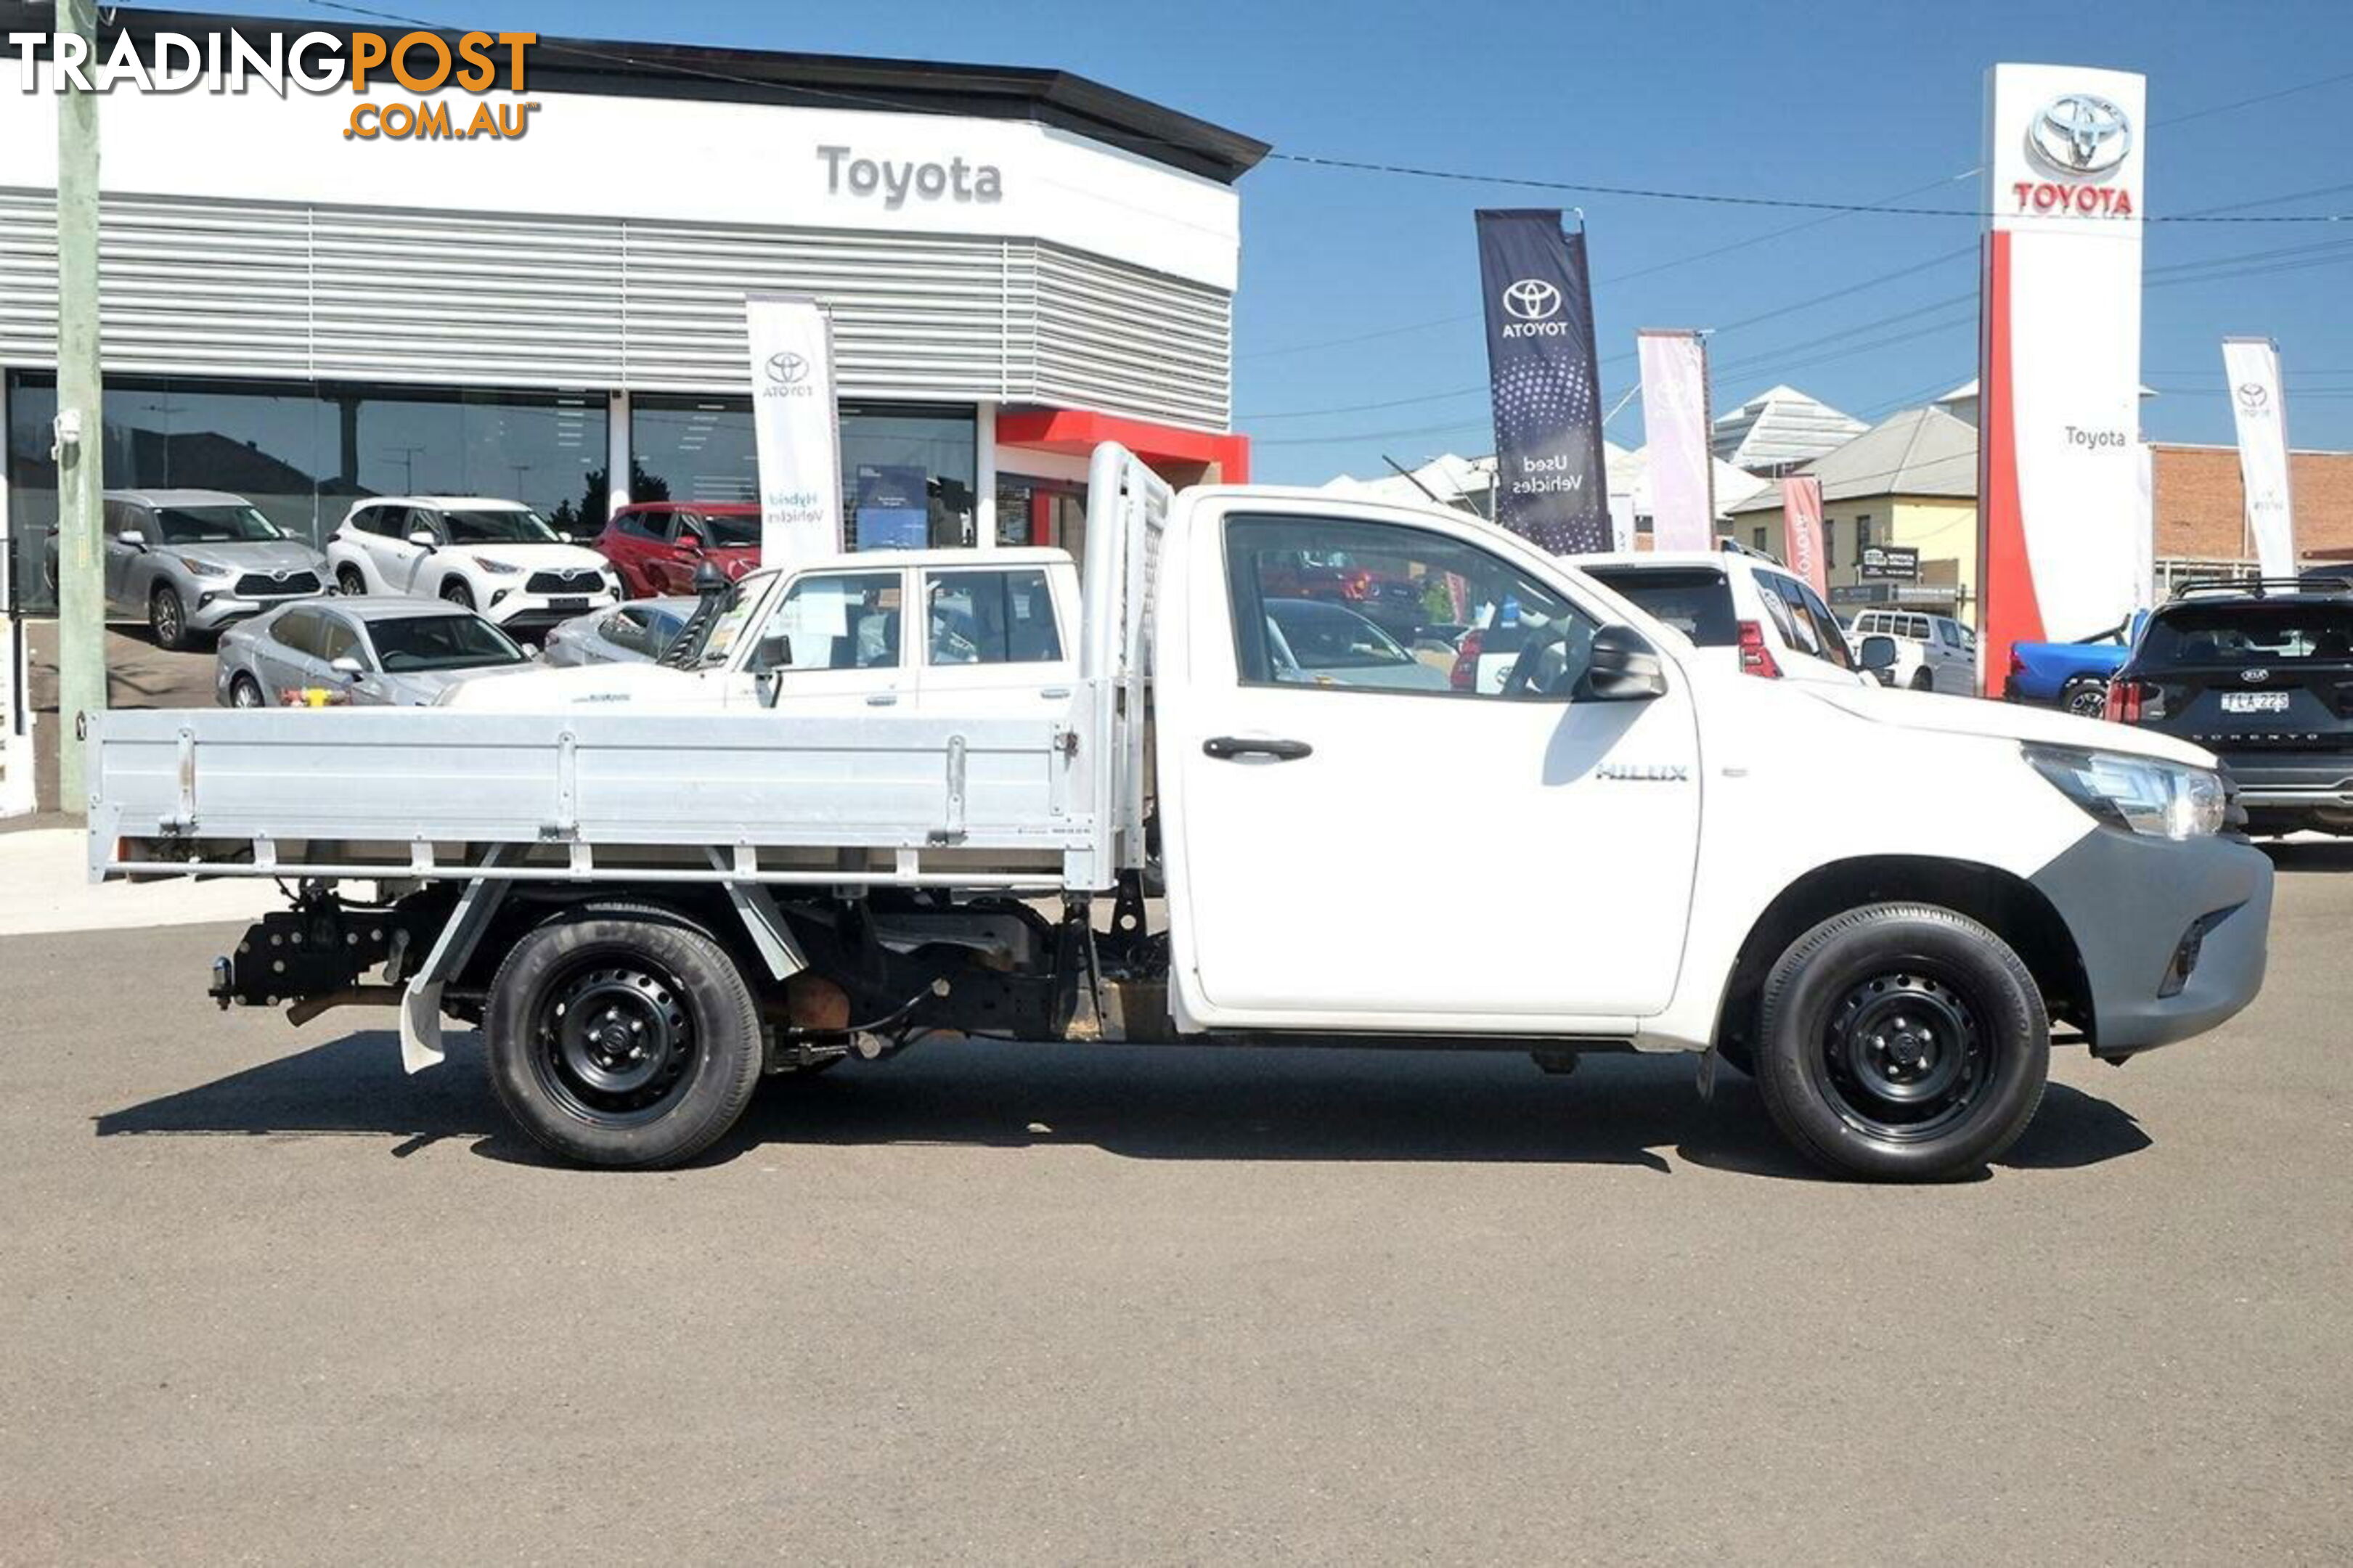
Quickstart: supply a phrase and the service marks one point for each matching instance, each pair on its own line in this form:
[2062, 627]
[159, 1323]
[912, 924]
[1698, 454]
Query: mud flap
[420, 1004]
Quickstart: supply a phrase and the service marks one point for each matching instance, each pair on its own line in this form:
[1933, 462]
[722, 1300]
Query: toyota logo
[2252, 396]
[786, 369]
[2081, 134]
[1531, 300]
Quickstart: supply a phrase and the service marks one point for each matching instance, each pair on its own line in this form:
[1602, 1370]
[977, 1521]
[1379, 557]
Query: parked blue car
[2071, 675]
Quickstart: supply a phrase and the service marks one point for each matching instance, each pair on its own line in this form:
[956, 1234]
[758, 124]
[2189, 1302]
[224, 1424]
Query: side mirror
[134, 538]
[776, 652]
[347, 667]
[690, 541]
[1623, 668]
[422, 538]
[1878, 658]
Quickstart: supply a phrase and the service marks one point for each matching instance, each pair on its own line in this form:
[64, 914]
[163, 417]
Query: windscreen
[213, 525]
[439, 642]
[1694, 600]
[2249, 633]
[497, 526]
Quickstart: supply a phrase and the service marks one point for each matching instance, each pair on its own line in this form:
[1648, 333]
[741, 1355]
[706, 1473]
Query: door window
[842, 620]
[298, 631]
[336, 639]
[992, 618]
[1796, 621]
[1358, 605]
[626, 628]
[1826, 625]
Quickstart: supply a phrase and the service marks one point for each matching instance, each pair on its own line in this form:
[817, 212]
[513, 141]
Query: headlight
[2140, 795]
[500, 567]
[204, 568]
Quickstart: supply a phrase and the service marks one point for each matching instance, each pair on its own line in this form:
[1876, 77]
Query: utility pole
[80, 449]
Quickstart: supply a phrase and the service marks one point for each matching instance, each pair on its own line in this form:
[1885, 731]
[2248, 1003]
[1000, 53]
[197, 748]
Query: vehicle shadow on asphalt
[2333, 856]
[1160, 1103]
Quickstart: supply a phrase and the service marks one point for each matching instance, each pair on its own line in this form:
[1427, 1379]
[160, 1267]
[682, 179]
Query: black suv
[2259, 671]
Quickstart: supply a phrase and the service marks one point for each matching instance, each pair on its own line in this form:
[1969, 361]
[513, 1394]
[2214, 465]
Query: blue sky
[1815, 101]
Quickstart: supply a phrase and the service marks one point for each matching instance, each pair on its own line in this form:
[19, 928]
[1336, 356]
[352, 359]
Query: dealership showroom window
[304, 452]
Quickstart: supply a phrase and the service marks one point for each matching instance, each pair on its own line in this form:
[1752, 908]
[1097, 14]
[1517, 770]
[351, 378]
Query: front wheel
[246, 692]
[622, 1038]
[456, 591]
[1902, 1042]
[167, 617]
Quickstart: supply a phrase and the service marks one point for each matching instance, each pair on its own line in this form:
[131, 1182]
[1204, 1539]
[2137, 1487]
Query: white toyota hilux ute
[1243, 824]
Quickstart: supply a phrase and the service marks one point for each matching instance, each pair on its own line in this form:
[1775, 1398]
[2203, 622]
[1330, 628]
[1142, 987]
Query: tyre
[1902, 1042]
[1922, 681]
[2084, 695]
[457, 594]
[246, 692]
[351, 581]
[167, 617]
[622, 1036]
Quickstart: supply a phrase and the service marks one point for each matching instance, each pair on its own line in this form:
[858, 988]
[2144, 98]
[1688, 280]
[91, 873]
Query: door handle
[1227, 747]
[881, 698]
[1052, 692]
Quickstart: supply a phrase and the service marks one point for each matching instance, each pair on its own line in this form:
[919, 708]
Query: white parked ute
[498, 558]
[645, 910]
[997, 634]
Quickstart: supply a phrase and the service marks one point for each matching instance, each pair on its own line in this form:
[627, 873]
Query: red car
[656, 546]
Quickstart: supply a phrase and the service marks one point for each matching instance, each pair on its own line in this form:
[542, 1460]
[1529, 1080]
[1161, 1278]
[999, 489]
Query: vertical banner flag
[2059, 354]
[1801, 530]
[795, 427]
[1542, 380]
[2145, 528]
[1674, 430]
[2259, 403]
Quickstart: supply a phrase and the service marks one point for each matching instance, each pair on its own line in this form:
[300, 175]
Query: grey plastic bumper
[2131, 900]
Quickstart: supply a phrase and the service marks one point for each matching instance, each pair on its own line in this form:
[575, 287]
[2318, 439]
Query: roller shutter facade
[342, 293]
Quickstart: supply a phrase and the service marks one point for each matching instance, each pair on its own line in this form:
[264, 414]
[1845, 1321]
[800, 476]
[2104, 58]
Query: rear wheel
[2084, 695]
[457, 594]
[351, 580]
[622, 1038]
[1902, 1042]
[1922, 681]
[167, 617]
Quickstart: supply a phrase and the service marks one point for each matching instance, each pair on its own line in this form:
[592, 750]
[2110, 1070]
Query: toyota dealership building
[1017, 263]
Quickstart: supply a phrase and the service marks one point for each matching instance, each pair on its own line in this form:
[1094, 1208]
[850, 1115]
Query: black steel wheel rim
[1905, 1056]
[613, 1040]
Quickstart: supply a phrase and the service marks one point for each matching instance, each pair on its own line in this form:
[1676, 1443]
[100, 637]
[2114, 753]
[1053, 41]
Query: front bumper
[520, 611]
[2138, 907]
[210, 610]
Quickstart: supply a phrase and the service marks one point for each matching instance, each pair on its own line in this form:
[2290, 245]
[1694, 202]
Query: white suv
[498, 558]
[1933, 653]
[1762, 618]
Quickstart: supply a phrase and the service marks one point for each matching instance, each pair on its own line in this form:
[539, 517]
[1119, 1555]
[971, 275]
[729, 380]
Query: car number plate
[567, 604]
[2254, 702]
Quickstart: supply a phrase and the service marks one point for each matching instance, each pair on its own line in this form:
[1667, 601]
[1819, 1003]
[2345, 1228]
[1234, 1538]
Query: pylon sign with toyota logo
[2066, 152]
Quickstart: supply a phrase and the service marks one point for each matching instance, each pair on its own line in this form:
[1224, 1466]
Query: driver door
[397, 560]
[835, 642]
[1404, 851]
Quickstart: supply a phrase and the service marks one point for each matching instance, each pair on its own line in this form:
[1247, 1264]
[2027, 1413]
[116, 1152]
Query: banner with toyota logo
[2259, 407]
[796, 427]
[2059, 362]
[1551, 484]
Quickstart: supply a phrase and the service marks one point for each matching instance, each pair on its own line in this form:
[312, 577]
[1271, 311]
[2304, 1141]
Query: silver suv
[191, 561]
